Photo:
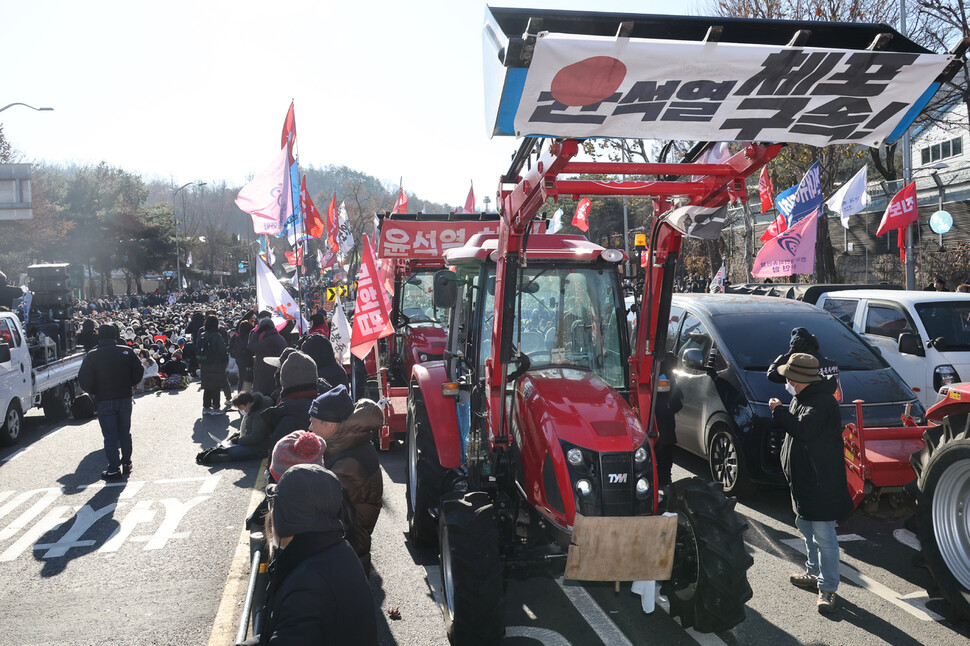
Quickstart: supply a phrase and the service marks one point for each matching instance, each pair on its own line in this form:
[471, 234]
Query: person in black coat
[321, 351]
[265, 342]
[804, 341]
[670, 400]
[213, 358]
[317, 591]
[108, 373]
[812, 459]
[87, 338]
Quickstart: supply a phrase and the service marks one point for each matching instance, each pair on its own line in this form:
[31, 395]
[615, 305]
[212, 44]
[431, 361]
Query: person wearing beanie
[213, 355]
[317, 592]
[320, 348]
[812, 460]
[350, 454]
[804, 341]
[298, 387]
[318, 323]
[299, 447]
[264, 342]
[108, 373]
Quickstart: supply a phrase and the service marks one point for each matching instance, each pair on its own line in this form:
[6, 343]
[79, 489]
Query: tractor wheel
[709, 585]
[57, 403]
[424, 473]
[471, 569]
[942, 497]
[13, 424]
[726, 462]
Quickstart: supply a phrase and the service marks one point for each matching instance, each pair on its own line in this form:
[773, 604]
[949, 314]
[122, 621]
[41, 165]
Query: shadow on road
[88, 471]
[85, 532]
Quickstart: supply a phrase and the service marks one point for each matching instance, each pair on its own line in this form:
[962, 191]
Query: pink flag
[372, 321]
[267, 197]
[791, 252]
[470, 200]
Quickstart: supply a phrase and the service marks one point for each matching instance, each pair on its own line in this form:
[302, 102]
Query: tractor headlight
[575, 457]
[643, 488]
[584, 487]
[423, 357]
[640, 455]
[612, 255]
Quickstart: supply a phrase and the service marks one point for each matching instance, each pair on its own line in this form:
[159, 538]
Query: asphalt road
[157, 561]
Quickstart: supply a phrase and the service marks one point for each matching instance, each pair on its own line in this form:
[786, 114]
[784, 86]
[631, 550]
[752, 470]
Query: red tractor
[410, 248]
[530, 445]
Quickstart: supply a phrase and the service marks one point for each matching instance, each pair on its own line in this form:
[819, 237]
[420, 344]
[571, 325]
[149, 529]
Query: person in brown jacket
[352, 457]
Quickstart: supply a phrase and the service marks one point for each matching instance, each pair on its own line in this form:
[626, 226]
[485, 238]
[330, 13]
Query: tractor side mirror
[909, 344]
[4, 353]
[445, 289]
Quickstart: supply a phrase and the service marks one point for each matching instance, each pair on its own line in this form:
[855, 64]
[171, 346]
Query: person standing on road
[213, 358]
[804, 341]
[669, 401]
[811, 457]
[317, 591]
[108, 373]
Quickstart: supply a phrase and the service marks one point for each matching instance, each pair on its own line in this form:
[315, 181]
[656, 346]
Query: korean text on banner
[404, 239]
[372, 321]
[340, 333]
[765, 190]
[699, 91]
[792, 252]
[901, 211]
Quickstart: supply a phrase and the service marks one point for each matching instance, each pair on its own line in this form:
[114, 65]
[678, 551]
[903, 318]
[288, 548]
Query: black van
[723, 346]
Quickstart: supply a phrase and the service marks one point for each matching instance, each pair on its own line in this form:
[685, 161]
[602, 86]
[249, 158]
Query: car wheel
[727, 465]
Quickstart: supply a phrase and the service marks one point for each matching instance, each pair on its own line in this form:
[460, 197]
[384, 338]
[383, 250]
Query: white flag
[340, 333]
[717, 285]
[188, 261]
[267, 197]
[272, 296]
[185, 285]
[344, 237]
[556, 222]
[852, 197]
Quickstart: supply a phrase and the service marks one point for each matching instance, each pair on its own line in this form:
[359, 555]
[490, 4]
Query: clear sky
[188, 90]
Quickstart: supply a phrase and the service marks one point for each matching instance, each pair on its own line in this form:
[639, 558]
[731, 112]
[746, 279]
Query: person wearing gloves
[812, 460]
[352, 457]
[804, 341]
[317, 591]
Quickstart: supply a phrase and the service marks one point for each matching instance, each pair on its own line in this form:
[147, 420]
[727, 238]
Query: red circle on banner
[589, 81]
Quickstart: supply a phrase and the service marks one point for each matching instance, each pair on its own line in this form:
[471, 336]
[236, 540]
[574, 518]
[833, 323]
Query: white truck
[924, 335]
[32, 375]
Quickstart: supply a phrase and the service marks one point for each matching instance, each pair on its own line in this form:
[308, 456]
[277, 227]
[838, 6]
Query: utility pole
[910, 267]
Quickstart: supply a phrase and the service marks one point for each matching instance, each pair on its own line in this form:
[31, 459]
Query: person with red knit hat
[299, 447]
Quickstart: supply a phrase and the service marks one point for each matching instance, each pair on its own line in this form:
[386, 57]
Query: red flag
[401, 205]
[372, 321]
[779, 226]
[765, 188]
[295, 257]
[332, 225]
[901, 211]
[470, 200]
[289, 131]
[581, 218]
[312, 217]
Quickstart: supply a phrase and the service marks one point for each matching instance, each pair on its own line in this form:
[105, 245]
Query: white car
[925, 336]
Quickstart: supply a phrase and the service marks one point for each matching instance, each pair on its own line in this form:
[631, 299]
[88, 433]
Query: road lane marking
[599, 621]
[208, 482]
[131, 487]
[226, 621]
[914, 604]
[908, 538]
[544, 636]
[140, 513]
[50, 495]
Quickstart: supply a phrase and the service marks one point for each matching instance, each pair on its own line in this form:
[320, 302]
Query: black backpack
[202, 347]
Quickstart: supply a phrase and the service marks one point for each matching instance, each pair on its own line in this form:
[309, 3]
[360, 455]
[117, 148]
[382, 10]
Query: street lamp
[10, 105]
[178, 260]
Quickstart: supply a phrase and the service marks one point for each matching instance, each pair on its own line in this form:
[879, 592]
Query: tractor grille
[617, 473]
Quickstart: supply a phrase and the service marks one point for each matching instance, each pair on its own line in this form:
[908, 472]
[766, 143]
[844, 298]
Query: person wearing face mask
[805, 342]
[811, 458]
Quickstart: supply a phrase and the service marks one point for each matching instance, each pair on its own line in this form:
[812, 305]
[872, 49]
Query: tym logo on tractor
[530, 442]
